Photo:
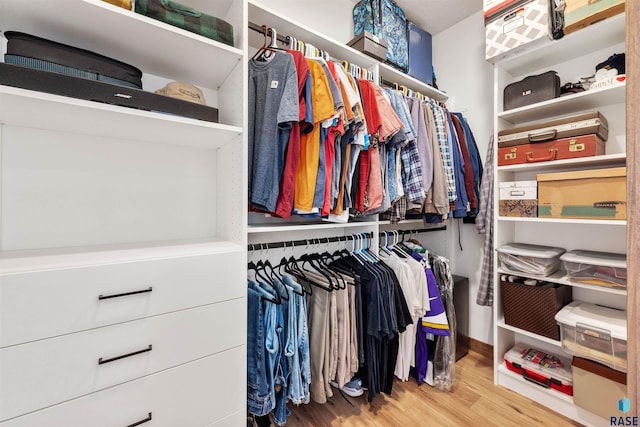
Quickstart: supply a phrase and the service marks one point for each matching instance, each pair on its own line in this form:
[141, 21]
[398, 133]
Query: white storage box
[519, 199]
[530, 259]
[596, 268]
[516, 26]
[594, 332]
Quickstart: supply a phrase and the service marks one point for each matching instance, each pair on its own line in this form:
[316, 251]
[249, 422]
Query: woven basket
[533, 308]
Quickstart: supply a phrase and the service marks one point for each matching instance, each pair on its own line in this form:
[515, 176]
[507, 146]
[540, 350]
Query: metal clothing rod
[258, 28]
[420, 230]
[292, 243]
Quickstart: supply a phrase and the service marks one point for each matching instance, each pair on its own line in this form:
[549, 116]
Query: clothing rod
[420, 230]
[326, 240]
[258, 28]
[292, 243]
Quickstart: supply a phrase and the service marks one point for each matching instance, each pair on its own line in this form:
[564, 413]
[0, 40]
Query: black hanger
[291, 267]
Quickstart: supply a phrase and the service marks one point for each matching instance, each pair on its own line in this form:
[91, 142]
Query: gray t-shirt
[273, 105]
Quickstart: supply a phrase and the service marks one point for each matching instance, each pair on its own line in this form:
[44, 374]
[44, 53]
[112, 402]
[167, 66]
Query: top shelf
[587, 100]
[116, 32]
[262, 15]
[547, 53]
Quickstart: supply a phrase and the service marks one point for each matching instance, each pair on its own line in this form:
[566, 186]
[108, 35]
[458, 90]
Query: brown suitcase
[580, 124]
[559, 149]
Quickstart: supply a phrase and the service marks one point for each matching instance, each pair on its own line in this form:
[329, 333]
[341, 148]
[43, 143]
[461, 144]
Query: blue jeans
[295, 390]
[282, 370]
[259, 390]
[302, 346]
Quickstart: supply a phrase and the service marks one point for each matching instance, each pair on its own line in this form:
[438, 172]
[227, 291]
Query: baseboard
[480, 347]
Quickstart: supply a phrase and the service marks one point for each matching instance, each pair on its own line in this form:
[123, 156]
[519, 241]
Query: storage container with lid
[544, 369]
[531, 259]
[596, 268]
[594, 332]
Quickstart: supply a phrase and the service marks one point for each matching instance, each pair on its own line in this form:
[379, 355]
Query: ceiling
[438, 15]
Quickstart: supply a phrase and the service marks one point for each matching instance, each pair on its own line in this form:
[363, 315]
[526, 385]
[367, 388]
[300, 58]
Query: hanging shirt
[273, 105]
[468, 167]
[284, 205]
[437, 202]
[445, 148]
[461, 204]
[422, 140]
[323, 109]
[476, 162]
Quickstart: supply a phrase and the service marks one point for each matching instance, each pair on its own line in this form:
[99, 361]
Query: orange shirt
[323, 109]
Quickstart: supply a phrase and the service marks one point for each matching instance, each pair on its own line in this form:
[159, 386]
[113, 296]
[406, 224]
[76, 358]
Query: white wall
[462, 72]
[332, 18]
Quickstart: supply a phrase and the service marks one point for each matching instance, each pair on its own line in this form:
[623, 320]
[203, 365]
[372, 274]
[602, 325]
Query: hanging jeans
[297, 345]
[259, 391]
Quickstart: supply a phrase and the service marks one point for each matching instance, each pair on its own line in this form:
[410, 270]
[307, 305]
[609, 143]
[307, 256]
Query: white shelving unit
[123, 232]
[570, 56]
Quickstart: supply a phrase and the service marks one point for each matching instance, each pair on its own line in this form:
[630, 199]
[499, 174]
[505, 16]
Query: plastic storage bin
[530, 259]
[596, 268]
[594, 332]
[544, 369]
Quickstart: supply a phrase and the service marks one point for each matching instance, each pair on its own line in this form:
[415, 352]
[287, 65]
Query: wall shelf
[547, 53]
[557, 107]
[61, 113]
[262, 15]
[616, 222]
[561, 278]
[503, 325]
[196, 59]
[607, 160]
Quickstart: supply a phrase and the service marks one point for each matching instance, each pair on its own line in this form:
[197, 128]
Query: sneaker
[353, 388]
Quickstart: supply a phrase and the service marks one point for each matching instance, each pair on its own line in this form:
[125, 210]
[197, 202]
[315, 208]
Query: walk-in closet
[318, 213]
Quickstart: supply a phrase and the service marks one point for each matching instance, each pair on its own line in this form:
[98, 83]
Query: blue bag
[386, 20]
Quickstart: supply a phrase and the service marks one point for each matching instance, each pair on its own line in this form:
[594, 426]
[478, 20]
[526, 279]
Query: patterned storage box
[515, 27]
[519, 199]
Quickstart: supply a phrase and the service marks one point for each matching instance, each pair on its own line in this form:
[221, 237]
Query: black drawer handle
[101, 297]
[137, 423]
[102, 361]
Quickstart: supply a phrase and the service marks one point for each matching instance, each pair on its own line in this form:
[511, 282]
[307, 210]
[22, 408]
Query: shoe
[353, 388]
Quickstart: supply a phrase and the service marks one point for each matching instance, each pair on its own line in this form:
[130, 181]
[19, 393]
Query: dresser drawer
[195, 394]
[46, 372]
[50, 303]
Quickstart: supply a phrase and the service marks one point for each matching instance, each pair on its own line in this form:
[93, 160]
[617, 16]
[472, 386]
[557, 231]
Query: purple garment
[436, 308]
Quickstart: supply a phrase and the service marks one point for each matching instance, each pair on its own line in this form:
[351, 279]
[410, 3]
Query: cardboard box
[579, 14]
[587, 194]
[370, 44]
[597, 388]
[519, 199]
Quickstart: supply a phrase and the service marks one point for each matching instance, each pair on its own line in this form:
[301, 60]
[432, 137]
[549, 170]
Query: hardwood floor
[473, 401]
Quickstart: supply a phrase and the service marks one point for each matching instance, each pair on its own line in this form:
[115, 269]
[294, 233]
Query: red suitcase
[559, 149]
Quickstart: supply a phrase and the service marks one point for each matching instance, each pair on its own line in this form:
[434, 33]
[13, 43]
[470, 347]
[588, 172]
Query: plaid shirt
[412, 181]
[397, 213]
[444, 143]
[484, 225]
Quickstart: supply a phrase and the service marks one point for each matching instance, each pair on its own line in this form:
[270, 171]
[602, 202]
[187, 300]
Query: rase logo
[624, 406]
